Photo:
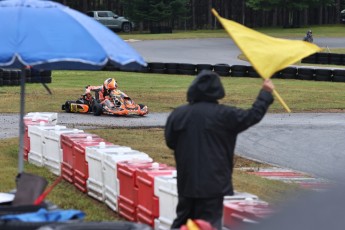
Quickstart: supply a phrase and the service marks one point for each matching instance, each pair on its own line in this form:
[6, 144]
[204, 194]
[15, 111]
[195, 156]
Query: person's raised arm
[268, 85]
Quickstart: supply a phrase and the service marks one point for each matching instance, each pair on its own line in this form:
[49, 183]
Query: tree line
[196, 14]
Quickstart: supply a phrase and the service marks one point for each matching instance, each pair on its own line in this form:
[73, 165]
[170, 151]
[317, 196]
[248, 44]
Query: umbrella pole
[21, 122]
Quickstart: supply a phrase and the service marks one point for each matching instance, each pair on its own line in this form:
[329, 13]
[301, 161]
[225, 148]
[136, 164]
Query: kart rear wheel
[97, 109]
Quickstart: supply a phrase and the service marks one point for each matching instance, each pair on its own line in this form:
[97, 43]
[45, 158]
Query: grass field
[163, 92]
[318, 31]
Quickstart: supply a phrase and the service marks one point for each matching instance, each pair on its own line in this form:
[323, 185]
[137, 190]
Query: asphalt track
[306, 142]
[205, 51]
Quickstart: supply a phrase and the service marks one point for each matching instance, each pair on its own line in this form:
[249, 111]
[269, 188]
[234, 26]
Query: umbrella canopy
[49, 35]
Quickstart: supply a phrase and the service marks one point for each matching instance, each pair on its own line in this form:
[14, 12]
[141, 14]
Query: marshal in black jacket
[203, 135]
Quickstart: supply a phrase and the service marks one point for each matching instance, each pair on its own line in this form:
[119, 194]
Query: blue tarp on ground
[44, 215]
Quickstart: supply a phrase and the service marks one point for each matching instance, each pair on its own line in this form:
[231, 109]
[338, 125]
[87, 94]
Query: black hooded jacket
[203, 136]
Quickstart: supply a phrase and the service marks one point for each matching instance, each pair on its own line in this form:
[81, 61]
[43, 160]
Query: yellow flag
[266, 54]
[191, 225]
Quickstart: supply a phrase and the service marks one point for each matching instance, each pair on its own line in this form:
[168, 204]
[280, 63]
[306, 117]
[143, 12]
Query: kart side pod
[73, 107]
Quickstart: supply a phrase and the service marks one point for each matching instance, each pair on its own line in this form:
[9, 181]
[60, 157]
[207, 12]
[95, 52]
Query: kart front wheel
[97, 109]
[143, 110]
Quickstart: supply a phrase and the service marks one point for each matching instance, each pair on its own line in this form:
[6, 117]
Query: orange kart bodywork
[79, 108]
[117, 103]
[121, 99]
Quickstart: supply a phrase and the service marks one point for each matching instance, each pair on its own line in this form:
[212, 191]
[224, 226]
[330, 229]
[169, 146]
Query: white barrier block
[165, 188]
[158, 225]
[36, 136]
[51, 118]
[111, 182]
[52, 152]
[94, 157]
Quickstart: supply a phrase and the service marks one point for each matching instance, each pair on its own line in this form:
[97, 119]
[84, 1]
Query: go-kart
[117, 103]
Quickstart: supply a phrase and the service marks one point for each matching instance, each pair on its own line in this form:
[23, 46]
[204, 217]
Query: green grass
[163, 92]
[336, 30]
[318, 31]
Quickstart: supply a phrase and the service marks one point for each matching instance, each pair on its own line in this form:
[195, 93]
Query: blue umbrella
[49, 35]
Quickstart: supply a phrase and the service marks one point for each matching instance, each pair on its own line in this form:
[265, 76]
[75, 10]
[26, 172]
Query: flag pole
[276, 94]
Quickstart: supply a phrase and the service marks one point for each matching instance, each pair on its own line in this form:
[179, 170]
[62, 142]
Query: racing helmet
[110, 84]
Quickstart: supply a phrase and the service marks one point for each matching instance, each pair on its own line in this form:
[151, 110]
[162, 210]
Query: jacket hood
[205, 87]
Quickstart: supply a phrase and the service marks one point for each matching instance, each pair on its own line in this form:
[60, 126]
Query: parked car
[112, 20]
[342, 16]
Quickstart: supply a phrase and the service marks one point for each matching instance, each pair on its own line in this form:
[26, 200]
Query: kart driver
[111, 99]
[102, 93]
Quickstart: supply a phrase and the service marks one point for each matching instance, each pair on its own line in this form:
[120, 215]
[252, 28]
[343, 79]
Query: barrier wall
[226, 70]
[9, 77]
